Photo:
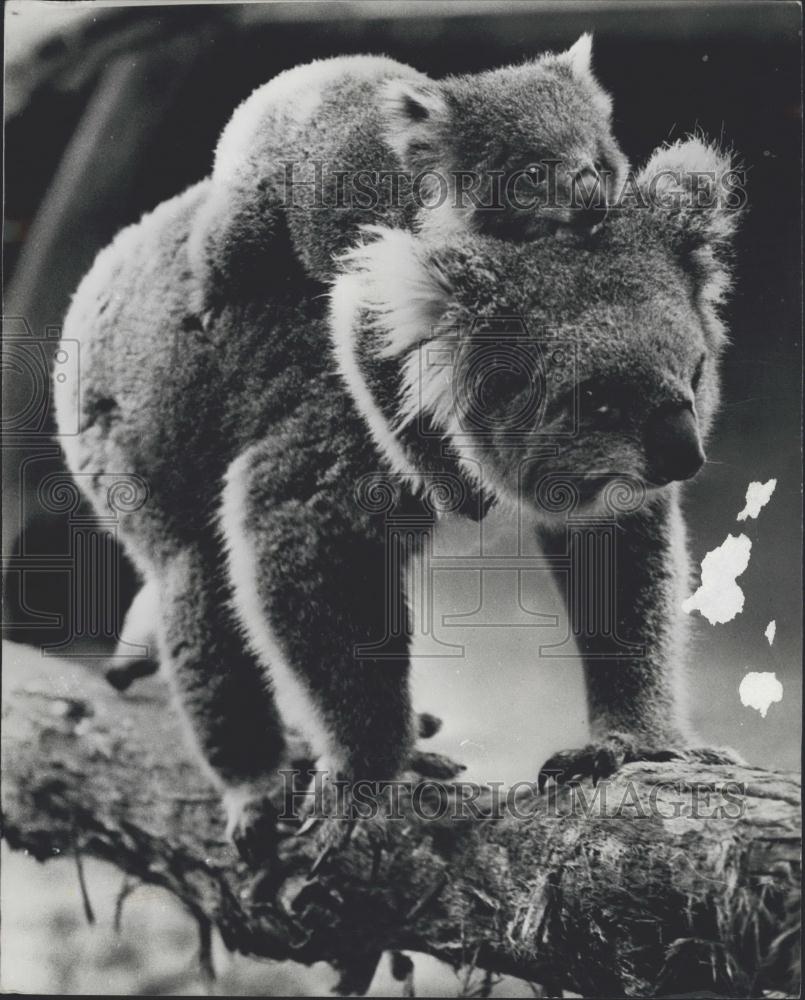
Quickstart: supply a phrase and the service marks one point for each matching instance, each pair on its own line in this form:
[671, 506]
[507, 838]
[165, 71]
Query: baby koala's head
[557, 361]
[515, 152]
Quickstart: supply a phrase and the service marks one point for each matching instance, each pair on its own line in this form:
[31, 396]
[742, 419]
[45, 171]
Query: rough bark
[631, 896]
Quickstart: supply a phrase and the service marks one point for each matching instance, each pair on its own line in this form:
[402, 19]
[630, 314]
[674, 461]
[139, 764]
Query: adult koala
[268, 432]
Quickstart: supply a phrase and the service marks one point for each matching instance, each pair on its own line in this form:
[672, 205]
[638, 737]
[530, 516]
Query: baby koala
[325, 148]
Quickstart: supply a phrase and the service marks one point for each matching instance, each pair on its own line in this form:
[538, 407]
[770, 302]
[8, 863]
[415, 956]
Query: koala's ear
[412, 114]
[392, 282]
[580, 56]
[698, 189]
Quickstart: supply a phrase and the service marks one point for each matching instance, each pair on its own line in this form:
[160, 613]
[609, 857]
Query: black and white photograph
[402, 498]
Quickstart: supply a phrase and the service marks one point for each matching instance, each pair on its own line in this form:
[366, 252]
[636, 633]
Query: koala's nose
[673, 447]
[590, 199]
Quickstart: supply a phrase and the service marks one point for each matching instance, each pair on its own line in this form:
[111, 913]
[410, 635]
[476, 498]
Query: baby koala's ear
[579, 59]
[699, 191]
[580, 56]
[412, 116]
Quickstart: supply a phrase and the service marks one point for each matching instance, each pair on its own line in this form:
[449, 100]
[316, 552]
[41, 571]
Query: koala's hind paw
[433, 765]
[600, 760]
[122, 675]
[252, 827]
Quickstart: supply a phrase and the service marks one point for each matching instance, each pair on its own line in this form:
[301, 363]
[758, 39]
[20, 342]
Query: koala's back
[174, 396]
[306, 148]
[329, 104]
[126, 316]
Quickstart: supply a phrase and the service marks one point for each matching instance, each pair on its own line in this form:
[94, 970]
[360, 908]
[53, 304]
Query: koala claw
[434, 765]
[602, 759]
[712, 755]
[599, 760]
[253, 828]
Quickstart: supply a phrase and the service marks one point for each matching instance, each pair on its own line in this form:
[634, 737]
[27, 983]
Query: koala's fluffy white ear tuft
[580, 55]
[412, 113]
[395, 284]
[699, 190]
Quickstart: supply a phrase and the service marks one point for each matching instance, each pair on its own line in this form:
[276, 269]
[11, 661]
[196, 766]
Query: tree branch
[675, 879]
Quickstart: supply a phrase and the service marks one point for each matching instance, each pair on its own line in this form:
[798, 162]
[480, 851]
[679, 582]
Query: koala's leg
[635, 695]
[222, 692]
[310, 585]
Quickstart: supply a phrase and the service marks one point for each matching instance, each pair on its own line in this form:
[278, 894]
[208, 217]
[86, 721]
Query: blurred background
[110, 109]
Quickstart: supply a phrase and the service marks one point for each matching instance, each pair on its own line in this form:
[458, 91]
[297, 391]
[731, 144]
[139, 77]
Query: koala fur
[296, 160]
[256, 433]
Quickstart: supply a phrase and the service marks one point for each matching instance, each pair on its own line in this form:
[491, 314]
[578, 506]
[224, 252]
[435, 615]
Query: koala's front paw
[712, 755]
[600, 760]
[603, 758]
[252, 826]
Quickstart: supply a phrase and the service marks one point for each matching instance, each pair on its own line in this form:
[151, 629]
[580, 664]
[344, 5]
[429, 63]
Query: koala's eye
[501, 385]
[535, 172]
[697, 375]
[596, 406]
